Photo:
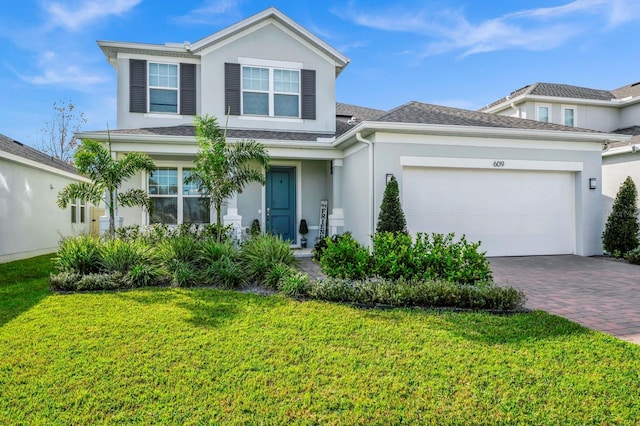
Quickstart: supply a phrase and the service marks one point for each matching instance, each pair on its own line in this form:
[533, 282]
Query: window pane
[189, 188]
[568, 117]
[195, 210]
[73, 213]
[285, 105]
[286, 81]
[164, 181]
[163, 100]
[255, 78]
[255, 103]
[165, 210]
[163, 75]
[543, 114]
[82, 213]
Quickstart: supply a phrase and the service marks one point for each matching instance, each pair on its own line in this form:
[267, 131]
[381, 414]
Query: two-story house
[614, 111]
[519, 186]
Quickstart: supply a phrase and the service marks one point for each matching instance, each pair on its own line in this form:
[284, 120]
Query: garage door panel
[511, 212]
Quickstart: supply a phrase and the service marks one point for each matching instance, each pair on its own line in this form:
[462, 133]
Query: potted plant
[304, 229]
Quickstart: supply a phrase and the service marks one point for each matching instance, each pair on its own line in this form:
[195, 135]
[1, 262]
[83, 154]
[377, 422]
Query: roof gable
[275, 16]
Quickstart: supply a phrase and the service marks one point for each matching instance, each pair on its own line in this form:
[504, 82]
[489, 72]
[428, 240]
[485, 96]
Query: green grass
[177, 356]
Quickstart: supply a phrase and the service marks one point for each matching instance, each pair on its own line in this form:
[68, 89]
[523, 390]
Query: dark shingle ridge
[569, 91]
[17, 148]
[421, 113]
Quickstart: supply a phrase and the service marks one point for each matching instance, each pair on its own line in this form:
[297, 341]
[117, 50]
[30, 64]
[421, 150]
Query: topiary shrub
[344, 257]
[621, 231]
[391, 217]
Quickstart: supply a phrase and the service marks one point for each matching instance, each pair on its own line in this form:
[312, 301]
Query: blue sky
[450, 52]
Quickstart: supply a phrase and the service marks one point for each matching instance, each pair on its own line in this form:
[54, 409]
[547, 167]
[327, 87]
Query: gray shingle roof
[632, 130]
[417, 112]
[17, 148]
[345, 113]
[189, 131]
[632, 89]
[558, 91]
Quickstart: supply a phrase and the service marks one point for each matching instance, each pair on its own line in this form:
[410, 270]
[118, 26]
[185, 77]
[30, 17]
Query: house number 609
[498, 164]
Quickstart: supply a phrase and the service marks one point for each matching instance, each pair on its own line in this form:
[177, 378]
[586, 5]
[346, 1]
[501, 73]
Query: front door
[281, 202]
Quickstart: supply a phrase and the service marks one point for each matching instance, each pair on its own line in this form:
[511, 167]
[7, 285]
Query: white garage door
[511, 212]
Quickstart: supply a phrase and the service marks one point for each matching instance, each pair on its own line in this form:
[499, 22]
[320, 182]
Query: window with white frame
[78, 211]
[270, 92]
[163, 87]
[569, 115]
[543, 113]
[175, 201]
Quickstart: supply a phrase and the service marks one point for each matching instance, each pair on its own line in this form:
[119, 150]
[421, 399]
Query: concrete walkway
[598, 293]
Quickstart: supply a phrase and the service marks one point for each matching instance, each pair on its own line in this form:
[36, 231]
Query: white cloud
[54, 70]
[531, 29]
[76, 16]
[210, 12]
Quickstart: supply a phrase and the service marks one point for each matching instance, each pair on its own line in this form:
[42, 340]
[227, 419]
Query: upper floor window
[569, 116]
[163, 87]
[542, 113]
[270, 92]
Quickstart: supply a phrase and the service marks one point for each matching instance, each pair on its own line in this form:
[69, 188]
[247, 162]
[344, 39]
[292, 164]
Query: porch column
[336, 218]
[233, 218]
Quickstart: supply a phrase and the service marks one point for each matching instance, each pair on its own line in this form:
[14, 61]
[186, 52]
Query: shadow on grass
[515, 328]
[209, 307]
[23, 284]
[490, 328]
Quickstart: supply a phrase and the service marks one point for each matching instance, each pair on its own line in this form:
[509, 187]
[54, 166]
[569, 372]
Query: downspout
[359, 138]
[513, 105]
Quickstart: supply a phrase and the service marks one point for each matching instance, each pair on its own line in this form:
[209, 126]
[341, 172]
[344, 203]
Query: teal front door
[281, 202]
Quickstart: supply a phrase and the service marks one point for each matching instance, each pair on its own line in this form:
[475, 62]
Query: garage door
[511, 212]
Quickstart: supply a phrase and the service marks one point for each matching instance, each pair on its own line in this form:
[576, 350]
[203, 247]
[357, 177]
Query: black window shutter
[309, 94]
[137, 85]
[188, 89]
[232, 89]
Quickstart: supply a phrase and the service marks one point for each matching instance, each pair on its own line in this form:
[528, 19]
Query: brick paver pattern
[598, 293]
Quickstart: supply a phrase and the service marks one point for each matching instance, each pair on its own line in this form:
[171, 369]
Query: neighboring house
[30, 221]
[615, 111]
[519, 186]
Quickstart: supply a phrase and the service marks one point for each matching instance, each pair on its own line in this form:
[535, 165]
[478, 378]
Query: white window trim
[80, 207]
[177, 89]
[179, 195]
[575, 114]
[272, 92]
[548, 106]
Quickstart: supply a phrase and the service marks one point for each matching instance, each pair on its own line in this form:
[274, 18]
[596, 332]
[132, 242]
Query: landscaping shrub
[295, 284]
[404, 293]
[212, 251]
[321, 246]
[79, 255]
[183, 274]
[391, 217]
[224, 273]
[621, 231]
[440, 256]
[68, 281]
[393, 256]
[633, 256]
[262, 253]
[121, 256]
[275, 275]
[344, 257]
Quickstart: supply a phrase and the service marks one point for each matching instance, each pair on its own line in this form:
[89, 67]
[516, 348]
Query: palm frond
[135, 197]
[80, 190]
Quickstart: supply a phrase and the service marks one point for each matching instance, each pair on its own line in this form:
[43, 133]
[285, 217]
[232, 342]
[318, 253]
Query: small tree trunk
[219, 221]
[112, 212]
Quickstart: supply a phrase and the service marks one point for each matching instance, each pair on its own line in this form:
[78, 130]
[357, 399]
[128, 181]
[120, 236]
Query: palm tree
[95, 161]
[223, 169]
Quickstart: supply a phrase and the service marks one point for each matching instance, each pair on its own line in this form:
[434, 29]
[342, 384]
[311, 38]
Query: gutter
[359, 138]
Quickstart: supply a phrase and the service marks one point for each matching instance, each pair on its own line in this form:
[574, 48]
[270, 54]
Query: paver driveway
[598, 293]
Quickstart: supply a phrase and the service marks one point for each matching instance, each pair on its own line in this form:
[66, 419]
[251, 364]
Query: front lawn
[204, 356]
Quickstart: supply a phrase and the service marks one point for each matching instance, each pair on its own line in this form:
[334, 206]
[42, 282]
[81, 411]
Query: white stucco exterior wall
[31, 223]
